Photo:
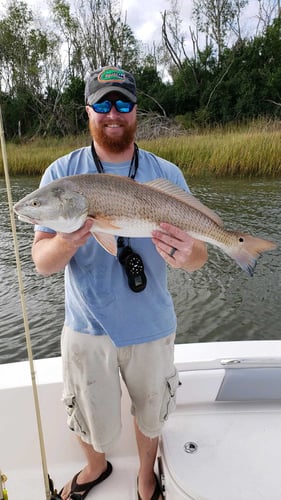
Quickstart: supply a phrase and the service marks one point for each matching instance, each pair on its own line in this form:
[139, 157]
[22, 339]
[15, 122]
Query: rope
[24, 312]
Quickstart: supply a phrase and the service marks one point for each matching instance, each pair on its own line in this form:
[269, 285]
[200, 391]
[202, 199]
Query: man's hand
[178, 248]
[78, 238]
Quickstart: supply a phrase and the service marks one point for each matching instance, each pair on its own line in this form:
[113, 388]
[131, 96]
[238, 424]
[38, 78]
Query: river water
[217, 303]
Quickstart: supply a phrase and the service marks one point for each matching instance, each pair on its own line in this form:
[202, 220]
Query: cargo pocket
[75, 420]
[169, 399]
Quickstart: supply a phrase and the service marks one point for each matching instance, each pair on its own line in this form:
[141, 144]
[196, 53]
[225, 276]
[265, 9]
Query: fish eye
[35, 203]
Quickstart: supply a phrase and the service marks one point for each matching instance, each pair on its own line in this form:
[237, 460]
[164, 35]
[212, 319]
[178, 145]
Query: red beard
[114, 144]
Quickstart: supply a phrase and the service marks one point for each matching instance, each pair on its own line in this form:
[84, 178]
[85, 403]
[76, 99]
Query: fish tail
[247, 250]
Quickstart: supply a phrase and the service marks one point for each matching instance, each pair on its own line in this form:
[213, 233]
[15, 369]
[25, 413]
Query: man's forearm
[52, 254]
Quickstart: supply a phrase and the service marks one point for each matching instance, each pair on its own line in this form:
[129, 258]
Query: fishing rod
[50, 492]
[3, 490]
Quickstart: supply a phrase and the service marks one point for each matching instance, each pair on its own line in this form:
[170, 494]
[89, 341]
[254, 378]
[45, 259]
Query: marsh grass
[230, 154]
[33, 157]
[252, 151]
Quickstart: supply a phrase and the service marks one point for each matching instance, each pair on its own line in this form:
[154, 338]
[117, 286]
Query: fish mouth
[25, 218]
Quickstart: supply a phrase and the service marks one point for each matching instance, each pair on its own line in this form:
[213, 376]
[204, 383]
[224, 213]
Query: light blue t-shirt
[98, 299]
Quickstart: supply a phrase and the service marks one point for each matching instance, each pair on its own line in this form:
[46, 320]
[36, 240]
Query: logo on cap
[112, 75]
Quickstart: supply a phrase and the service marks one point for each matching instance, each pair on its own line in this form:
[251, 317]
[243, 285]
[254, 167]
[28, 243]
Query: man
[114, 323]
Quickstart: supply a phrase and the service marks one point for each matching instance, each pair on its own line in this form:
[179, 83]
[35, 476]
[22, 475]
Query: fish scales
[137, 201]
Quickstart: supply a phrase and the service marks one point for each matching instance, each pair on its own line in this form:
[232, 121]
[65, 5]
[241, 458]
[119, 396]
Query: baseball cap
[109, 79]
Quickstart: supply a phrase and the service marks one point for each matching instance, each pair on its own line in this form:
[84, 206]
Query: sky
[144, 16]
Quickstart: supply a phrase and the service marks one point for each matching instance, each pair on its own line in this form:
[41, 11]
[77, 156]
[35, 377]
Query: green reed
[242, 154]
[33, 157]
[252, 151]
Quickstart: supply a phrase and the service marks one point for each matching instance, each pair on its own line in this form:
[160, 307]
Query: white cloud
[144, 17]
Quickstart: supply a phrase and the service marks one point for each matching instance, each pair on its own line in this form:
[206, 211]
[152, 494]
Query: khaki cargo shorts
[92, 393]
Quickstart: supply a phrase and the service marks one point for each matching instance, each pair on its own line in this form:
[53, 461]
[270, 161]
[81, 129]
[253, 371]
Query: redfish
[120, 206]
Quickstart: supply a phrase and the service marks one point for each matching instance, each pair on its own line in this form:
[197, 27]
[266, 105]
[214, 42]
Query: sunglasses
[105, 106]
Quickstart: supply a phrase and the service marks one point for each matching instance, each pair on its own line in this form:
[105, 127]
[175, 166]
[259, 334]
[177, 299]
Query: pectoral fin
[106, 241]
[103, 223]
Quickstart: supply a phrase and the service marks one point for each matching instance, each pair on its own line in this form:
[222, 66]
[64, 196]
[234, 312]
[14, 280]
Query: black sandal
[86, 487]
[157, 493]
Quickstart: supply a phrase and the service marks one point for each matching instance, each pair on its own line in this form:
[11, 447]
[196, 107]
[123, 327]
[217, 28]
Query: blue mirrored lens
[102, 107]
[123, 106]
[105, 106]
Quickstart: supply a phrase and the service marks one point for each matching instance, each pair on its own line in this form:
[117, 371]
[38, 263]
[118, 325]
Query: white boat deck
[18, 432]
[121, 485]
[229, 405]
[238, 455]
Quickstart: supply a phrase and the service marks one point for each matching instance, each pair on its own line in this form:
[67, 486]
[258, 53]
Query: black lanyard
[133, 165]
[131, 261]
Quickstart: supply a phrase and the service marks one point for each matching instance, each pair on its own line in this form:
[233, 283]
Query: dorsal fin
[179, 193]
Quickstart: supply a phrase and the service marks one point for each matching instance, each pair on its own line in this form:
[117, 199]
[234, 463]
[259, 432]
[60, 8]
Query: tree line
[223, 76]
